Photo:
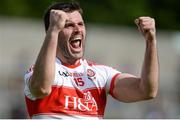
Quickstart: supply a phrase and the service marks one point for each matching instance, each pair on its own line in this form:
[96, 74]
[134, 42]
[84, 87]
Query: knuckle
[53, 11]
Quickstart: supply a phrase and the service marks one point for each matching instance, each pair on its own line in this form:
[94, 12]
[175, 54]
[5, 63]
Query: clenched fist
[146, 25]
[57, 19]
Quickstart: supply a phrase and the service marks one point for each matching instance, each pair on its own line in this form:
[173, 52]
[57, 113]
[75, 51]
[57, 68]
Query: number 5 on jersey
[79, 81]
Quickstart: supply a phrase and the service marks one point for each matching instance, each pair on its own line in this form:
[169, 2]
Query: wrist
[151, 43]
[150, 38]
[53, 30]
[52, 34]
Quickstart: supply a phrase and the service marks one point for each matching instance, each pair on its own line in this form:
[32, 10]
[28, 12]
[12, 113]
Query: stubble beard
[65, 51]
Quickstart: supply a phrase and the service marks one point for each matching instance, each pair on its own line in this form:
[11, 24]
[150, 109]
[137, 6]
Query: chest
[81, 78]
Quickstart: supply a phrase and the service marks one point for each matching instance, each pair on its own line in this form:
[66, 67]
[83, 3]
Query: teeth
[77, 38]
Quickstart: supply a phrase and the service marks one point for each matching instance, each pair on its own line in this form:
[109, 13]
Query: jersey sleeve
[111, 76]
[27, 77]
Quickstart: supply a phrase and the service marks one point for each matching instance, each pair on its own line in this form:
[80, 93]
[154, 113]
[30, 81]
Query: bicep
[127, 88]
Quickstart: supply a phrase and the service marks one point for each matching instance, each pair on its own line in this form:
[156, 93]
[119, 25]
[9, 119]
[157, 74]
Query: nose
[77, 29]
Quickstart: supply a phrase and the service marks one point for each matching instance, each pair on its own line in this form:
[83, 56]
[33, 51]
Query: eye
[81, 24]
[67, 25]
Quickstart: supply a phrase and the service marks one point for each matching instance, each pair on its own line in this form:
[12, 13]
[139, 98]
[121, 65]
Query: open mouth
[76, 43]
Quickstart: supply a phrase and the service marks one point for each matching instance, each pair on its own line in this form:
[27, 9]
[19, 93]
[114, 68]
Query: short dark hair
[65, 6]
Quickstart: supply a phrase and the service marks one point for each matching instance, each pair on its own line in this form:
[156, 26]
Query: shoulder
[98, 66]
[93, 63]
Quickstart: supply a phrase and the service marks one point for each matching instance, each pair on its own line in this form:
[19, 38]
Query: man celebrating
[64, 85]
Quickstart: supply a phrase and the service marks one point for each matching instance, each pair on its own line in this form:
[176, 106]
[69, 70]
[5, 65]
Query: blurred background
[112, 39]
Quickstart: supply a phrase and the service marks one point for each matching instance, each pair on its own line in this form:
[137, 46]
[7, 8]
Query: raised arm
[129, 88]
[44, 70]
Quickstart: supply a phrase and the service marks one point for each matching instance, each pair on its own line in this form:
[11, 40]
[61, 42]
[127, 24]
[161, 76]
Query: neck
[68, 61]
[70, 64]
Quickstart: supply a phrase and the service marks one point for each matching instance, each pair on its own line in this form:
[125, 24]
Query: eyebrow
[68, 21]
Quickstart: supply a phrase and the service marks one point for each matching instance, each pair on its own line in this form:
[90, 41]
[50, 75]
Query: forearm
[150, 70]
[44, 70]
